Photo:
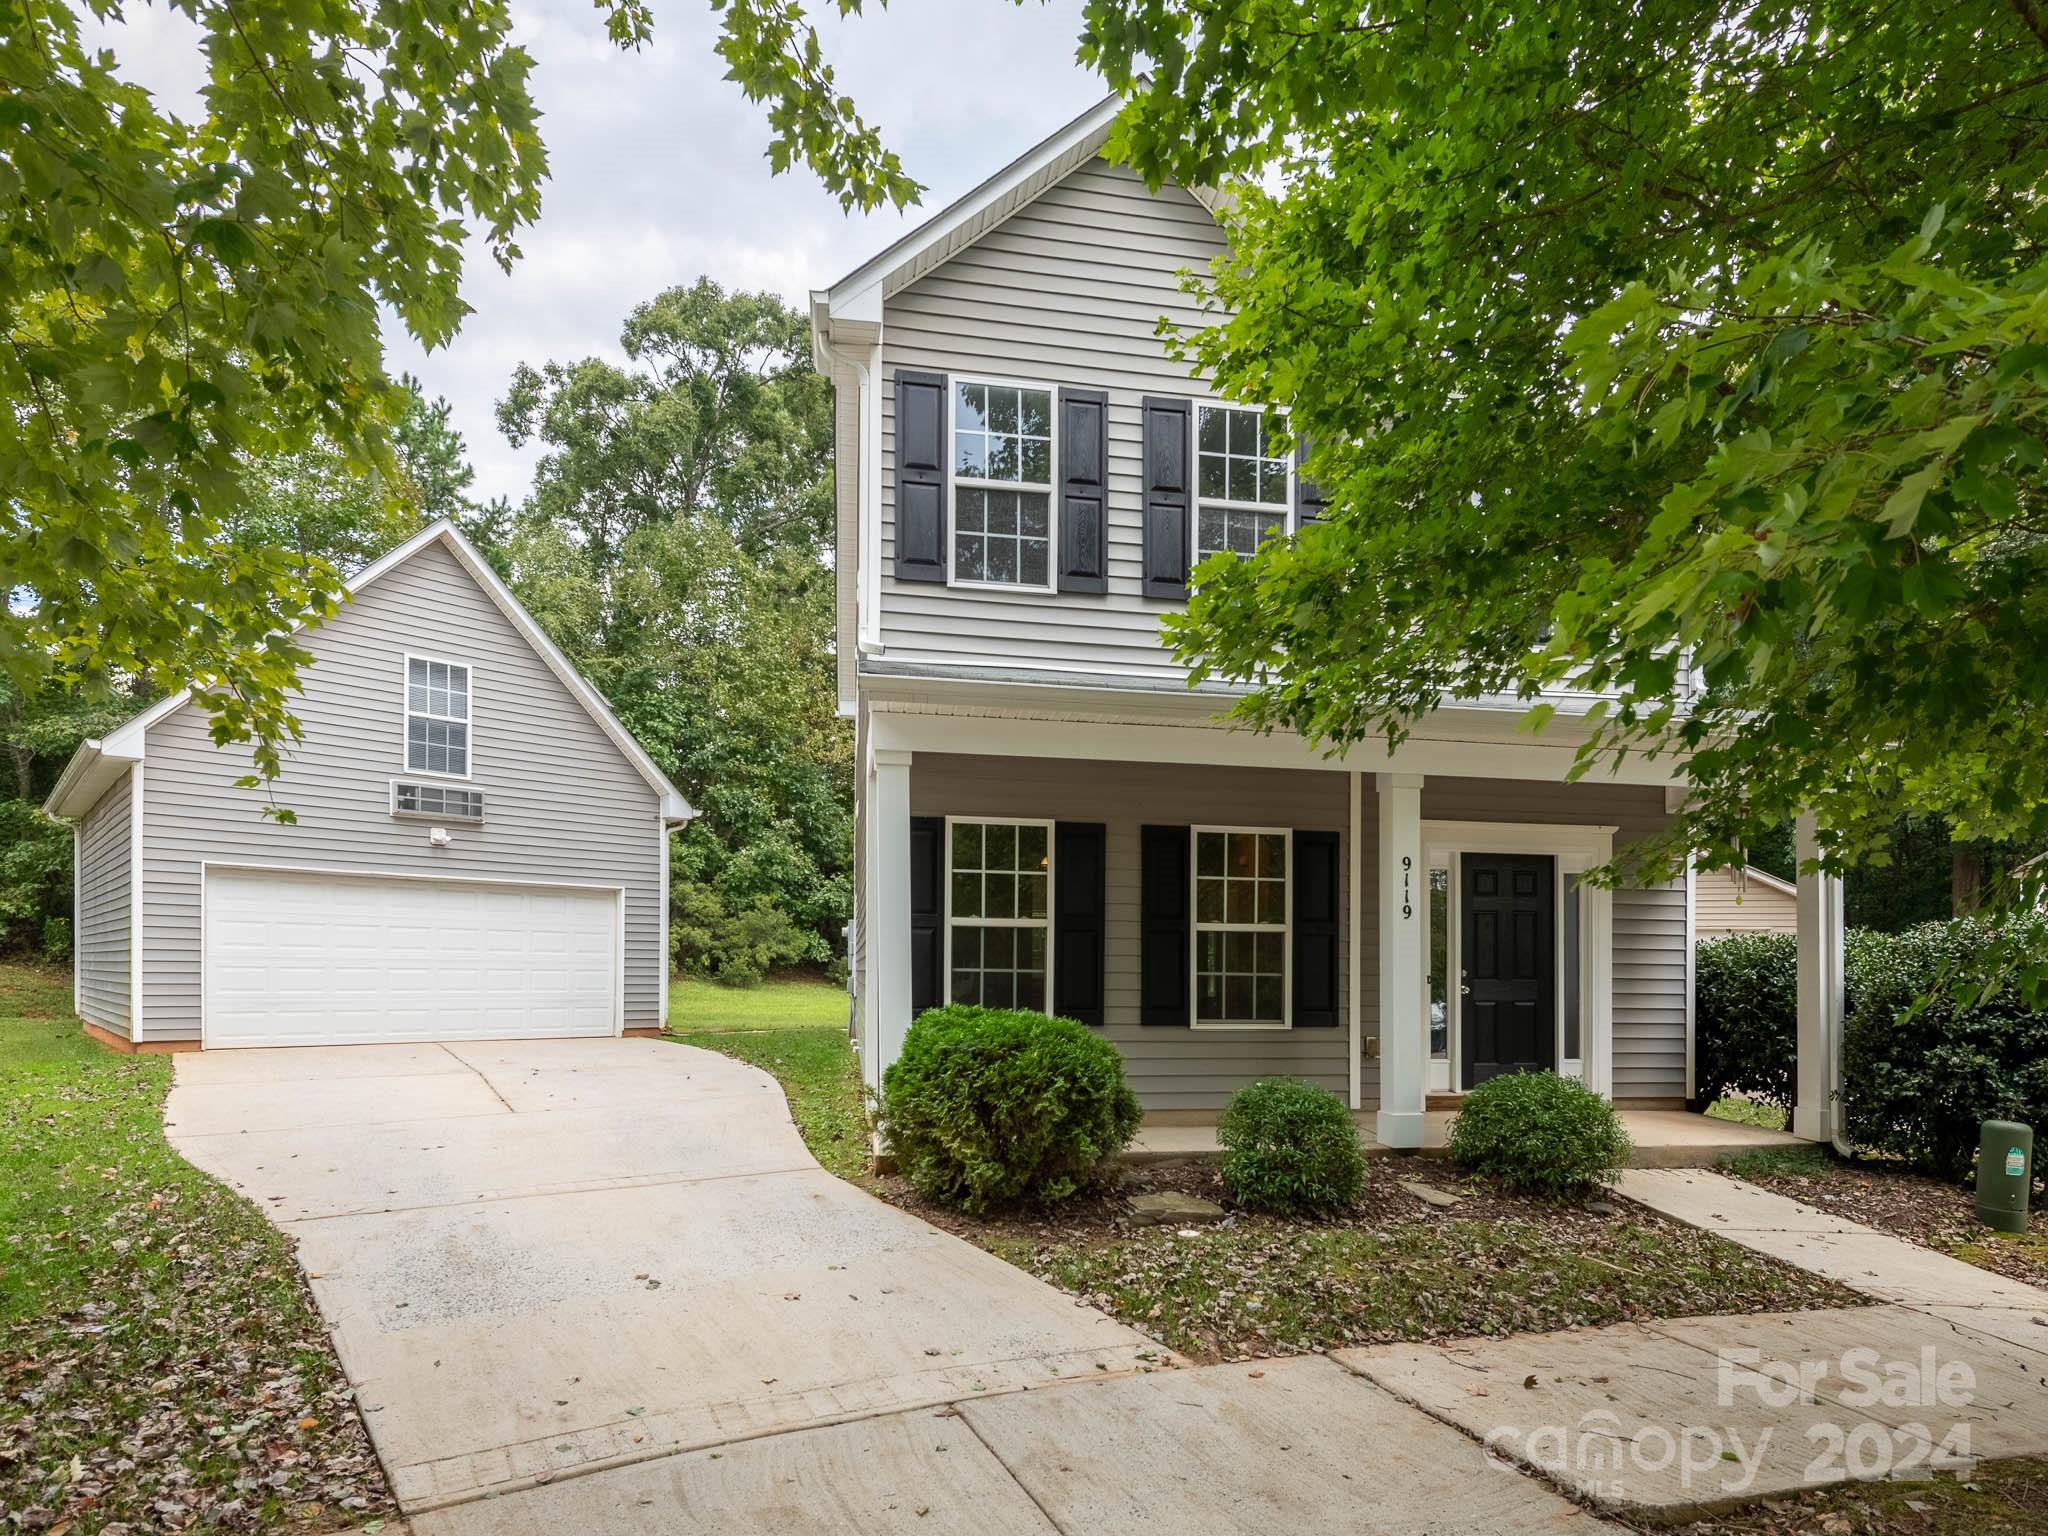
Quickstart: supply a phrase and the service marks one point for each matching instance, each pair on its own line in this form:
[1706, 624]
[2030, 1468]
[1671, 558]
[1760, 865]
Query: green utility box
[2005, 1174]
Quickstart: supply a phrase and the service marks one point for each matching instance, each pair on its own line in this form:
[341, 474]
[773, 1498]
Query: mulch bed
[1390, 1268]
[1923, 1210]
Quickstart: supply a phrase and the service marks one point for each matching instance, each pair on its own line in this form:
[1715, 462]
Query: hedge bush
[1539, 1134]
[1916, 1083]
[1746, 1013]
[1290, 1146]
[990, 1106]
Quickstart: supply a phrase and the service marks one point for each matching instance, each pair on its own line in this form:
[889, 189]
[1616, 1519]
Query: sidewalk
[1672, 1419]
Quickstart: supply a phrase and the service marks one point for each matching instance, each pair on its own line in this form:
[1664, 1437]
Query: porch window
[1241, 926]
[1569, 990]
[1440, 968]
[1242, 481]
[1002, 484]
[999, 878]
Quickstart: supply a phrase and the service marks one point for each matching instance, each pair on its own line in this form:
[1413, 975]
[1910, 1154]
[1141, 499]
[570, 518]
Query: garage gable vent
[442, 802]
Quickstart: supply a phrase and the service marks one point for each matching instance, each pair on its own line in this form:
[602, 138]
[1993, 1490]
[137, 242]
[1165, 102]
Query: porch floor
[1663, 1138]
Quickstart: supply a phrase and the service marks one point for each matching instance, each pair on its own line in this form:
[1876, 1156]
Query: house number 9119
[1407, 886]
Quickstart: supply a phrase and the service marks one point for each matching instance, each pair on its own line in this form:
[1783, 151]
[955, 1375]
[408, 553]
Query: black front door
[1507, 953]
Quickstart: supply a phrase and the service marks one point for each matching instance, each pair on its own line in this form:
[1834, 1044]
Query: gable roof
[96, 764]
[859, 295]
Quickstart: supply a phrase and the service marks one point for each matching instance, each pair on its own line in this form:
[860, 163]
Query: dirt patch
[1391, 1267]
[2003, 1498]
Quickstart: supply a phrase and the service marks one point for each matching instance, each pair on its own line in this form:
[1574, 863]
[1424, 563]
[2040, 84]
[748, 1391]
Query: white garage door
[326, 960]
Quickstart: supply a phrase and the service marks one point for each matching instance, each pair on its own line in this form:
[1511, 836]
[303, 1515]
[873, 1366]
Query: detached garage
[479, 849]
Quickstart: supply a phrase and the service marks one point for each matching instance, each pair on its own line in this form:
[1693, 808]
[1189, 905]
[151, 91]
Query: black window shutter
[1080, 877]
[1084, 490]
[927, 912]
[1309, 503]
[1316, 884]
[1163, 925]
[920, 476]
[1168, 542]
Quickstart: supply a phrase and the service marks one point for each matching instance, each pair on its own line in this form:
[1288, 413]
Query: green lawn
[160, 1360]
[796, 1031]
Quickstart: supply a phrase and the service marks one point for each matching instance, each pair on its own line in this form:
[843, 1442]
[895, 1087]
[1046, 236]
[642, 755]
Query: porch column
[889, 913]
[1403, 1075]
[1820, 990]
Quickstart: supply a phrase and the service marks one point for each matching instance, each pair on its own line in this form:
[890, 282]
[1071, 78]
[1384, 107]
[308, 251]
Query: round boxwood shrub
[1290, 1146]
[990, 1106]
[1539, 1134]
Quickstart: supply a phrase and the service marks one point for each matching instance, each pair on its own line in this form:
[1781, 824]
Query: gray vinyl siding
[1168, 1067]
[1068, 291]
[1649, 924]
[104, 926]
[562, 803]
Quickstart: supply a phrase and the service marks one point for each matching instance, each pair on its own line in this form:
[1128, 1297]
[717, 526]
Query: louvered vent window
[441, 802]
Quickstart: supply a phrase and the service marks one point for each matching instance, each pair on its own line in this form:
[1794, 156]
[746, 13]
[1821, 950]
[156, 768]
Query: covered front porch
[1431, 927]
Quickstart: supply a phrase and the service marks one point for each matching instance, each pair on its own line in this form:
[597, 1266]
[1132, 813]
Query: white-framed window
[1242, 938]
[998, 907]
[1002, 469]
[1244, 482]
[436, 717]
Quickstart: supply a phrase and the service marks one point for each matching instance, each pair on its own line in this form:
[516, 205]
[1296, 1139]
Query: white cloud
[659, 171]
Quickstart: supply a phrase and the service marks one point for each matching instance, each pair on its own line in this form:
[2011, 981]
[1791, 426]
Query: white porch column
[1403, 1076]
[1820, 990]
[888, 1003]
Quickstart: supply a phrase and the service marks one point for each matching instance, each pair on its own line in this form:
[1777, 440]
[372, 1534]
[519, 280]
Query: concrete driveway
[544, 1259]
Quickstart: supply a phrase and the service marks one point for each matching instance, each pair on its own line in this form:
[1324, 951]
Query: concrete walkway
[1670, 1419]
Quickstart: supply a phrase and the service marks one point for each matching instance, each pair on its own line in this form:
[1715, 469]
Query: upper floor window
[436, 717]
[1243, 482]
[1002, 484]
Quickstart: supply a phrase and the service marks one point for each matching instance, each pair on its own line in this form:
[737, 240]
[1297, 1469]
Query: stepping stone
[1429, 1194]
[1171, 1207]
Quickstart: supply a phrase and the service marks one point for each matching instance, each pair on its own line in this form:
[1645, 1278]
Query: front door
[1507, 952]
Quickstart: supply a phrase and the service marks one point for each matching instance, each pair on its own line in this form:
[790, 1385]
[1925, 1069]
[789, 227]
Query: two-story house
[1050, 817]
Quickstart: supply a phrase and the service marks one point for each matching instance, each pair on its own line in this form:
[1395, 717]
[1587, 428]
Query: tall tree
[1691, 352]
[674, 546]
[718, 415]
[183, 297]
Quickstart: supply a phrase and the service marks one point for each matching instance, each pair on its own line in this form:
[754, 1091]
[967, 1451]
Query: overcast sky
[658, 171]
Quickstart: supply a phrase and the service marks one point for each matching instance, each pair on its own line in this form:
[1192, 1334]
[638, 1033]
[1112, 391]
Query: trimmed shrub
[989, 1106]
[1746, 1017]
[1290, 1146]
[1539, 1134]
[1917, 1081]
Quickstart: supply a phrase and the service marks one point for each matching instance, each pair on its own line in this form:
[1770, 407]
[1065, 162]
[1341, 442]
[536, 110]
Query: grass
[795, 1030]
[1735, 1107]
[1762, 1164]
[161, 1363]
